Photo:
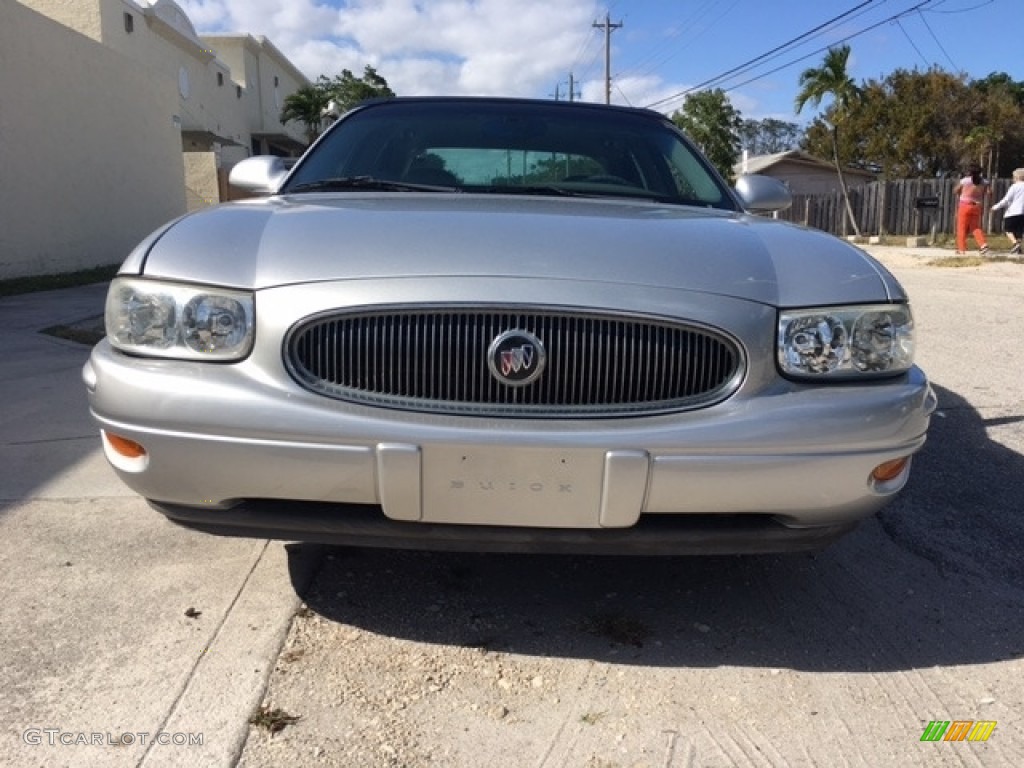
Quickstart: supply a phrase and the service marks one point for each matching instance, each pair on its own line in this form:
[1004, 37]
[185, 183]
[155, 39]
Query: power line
[963, 10]
[757, 59]
[624, 96]
[763, 57]
[932, 33]
[827, 47]
[911, 41]
[584, 47]
[665, 51]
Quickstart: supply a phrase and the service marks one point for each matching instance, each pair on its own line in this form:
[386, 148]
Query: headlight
[148, 317]
[846, 342]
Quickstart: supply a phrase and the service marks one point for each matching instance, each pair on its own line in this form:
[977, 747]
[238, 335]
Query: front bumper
[231, 449]
[365, 526]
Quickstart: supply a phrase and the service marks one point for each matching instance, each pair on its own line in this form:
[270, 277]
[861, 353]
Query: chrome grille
[436, 360]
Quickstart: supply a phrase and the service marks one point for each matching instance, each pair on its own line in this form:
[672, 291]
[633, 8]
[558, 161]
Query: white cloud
[204, 14]
[420, 47]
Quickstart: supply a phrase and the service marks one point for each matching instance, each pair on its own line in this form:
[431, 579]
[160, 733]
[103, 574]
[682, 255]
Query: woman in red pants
[970, 193]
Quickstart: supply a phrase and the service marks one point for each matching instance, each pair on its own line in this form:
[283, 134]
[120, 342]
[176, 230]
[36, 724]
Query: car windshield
[509, 147]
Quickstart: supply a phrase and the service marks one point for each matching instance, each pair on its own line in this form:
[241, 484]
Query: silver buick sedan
[508, 325]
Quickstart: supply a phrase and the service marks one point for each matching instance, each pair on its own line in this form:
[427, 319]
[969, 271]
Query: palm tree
[831, 79]
[307, 105]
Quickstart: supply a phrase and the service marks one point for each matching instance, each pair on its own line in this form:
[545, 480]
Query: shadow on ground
[936, 580]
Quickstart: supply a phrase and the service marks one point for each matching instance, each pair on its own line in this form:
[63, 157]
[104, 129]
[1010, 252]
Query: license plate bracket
[541, 487]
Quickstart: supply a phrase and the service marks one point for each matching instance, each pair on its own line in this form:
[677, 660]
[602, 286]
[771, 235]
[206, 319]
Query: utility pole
[608, 27]
[573, 93]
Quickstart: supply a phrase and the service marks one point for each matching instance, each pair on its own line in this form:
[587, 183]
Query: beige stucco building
[115, 116]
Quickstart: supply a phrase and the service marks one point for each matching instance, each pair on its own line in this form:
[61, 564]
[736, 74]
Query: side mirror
[763, 194]
[261, 175]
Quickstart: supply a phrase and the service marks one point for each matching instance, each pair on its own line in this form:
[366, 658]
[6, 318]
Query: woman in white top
[1013, 202]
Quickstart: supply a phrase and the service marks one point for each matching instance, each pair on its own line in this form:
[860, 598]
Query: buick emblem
[516, 358]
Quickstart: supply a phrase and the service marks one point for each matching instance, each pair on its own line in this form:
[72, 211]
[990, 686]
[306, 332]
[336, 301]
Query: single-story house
[802, 172]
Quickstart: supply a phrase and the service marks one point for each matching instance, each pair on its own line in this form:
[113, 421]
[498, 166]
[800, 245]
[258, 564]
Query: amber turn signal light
[127, 448]
[890, 470]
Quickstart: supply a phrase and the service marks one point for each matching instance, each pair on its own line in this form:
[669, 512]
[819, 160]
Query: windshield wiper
[365, 182]
[536, 189]
[631, 193]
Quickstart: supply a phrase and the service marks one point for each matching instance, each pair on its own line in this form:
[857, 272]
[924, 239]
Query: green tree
[768, 136]
[347, 90]
[927, 124]
[311, 103]
[998, 124]
[921, 123]
[307, 105]
[1001, 80]
[904, 126]
[832, 80]
[713, 124]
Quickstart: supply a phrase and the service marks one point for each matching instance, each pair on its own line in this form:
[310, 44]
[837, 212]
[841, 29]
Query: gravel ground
[838, 658]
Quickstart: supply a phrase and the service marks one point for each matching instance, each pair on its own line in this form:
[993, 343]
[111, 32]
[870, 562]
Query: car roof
[513, 101]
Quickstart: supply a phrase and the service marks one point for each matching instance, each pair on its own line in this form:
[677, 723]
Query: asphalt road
[116, 624]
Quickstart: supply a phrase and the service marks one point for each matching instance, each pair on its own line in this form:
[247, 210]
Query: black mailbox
[926, 202]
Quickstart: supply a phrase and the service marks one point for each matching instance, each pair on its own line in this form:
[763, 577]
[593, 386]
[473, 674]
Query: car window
[537, 147]
[486, 166]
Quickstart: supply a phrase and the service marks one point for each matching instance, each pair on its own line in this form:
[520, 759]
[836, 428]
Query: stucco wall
[163, 40]
[83, 15]
[90, 152]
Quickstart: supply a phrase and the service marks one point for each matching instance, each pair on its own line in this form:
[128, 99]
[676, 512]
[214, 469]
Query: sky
[659, 51]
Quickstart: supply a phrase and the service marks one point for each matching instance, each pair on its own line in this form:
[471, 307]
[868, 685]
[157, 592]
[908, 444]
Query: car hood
[286, 240]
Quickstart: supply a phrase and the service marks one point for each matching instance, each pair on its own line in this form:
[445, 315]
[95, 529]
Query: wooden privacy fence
[905, 207]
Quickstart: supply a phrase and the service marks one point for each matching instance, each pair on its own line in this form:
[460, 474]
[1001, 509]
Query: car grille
[436, 360]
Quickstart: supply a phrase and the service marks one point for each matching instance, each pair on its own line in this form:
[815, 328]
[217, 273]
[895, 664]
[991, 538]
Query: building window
[129, 23]
[238, 91]
[220, 78]
[276, 83]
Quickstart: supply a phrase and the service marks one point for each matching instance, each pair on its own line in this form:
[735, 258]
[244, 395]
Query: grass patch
[17, 285]
[958, 261]
[973, 260]
[272, 720]
[592, 718]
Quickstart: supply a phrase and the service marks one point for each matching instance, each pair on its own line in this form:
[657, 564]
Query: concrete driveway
[115, 625]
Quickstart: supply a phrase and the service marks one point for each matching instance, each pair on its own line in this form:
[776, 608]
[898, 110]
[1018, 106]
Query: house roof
[761, 163]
